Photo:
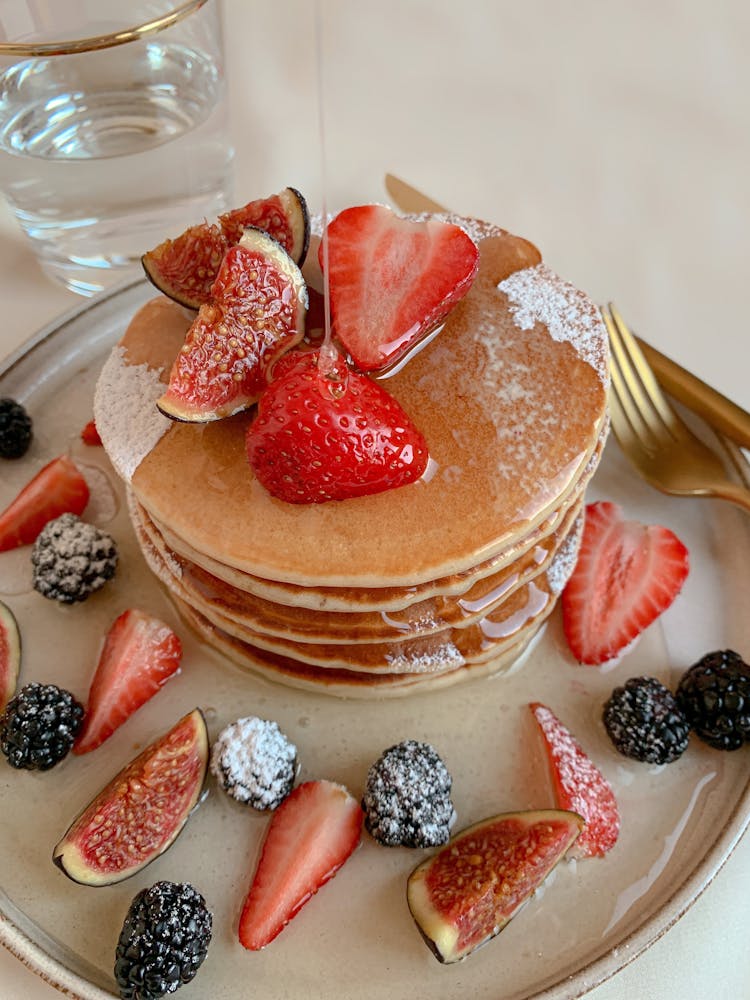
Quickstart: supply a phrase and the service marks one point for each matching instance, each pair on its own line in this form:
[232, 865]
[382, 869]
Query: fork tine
[642, 383]
[621, 397]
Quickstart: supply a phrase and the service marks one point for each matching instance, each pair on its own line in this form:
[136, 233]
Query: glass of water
[113, 129]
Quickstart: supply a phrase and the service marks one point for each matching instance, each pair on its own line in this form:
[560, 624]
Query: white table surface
[616, 137]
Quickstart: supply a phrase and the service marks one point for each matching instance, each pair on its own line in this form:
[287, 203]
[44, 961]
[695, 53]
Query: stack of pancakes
[414, 588]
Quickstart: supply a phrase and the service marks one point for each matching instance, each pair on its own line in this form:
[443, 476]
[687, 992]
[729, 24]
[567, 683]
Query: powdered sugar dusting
[580, 786]
[537, 295]
[446, 656]
[255, 762]
[125, 412]
[561, 568]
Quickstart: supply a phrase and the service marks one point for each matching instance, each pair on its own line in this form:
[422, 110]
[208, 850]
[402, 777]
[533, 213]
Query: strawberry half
[626, 575]
[140, 654]
[579, 786]
[58, 488]
[310, 836]
[392, 280]
[314, 441]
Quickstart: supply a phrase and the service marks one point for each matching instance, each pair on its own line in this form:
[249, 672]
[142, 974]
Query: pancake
[342, 683]
[206, 591]
[510, 396]
[423, 586]
[381, 599]
[436, 651]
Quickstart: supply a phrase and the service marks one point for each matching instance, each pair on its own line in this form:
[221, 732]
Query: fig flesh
[465, 894]
[10, 655]
[186, 267]
[257, 313]
[139, 814]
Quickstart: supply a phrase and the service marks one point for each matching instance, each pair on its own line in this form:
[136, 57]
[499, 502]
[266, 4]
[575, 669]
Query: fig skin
[69, 854]
[444, 937]
[10, 655]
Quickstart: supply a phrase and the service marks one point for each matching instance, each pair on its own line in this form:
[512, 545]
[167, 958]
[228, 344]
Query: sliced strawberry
[90, 435]
[310, 836]
[627, 574]
[579, 786]
[392, 281]
[314, 441]
[257, 312]
[140, 654]
[58, 488]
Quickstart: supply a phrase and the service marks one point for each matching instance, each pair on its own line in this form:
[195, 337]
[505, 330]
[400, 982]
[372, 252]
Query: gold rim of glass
[72, 46]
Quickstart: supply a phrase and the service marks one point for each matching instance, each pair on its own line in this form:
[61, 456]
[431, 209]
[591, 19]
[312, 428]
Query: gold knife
[720, 412]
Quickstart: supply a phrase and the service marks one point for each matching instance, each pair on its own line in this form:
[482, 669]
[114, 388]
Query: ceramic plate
[679, 822]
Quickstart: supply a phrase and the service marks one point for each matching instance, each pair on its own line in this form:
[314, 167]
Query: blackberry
[39, 726]
[407, 798]
[163, 941]
[715, 696]
[71, 559]
[15, 429]
[255, 762]
[645, 722]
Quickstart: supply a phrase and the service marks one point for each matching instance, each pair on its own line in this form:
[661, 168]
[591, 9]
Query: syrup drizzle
[330, 364]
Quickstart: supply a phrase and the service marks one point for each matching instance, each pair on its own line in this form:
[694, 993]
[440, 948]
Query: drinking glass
[113, 129]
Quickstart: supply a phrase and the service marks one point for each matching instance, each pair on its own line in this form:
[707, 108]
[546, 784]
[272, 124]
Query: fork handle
[738, 495]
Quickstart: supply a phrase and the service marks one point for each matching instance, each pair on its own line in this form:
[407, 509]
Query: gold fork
[656, 440]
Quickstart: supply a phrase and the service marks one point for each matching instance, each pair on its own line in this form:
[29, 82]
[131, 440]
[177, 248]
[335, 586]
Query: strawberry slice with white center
[58, 488]
[309, 838]
[626, 575]
[140, 654]
[579, 786]
[393, 280]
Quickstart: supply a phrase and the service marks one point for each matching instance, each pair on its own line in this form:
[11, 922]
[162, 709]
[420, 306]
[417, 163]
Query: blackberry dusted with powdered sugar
[407, 798]
[163, 941]
[645, 722]
[71, 559]
[255, 762]
[39, 726]
[715, 696]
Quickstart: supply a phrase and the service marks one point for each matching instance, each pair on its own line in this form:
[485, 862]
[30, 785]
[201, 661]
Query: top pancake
[510, 396]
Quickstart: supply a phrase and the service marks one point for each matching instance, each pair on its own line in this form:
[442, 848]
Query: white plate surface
[680, 822]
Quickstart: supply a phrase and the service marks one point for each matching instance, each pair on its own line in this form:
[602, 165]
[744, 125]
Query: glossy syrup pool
[359, 925]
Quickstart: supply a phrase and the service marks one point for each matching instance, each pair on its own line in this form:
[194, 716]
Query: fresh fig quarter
[465, 894]
[141, 811]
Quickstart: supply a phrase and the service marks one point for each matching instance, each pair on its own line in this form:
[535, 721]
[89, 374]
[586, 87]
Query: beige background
[616, 136]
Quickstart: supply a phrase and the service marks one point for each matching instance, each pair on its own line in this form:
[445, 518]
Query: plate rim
[61, 977]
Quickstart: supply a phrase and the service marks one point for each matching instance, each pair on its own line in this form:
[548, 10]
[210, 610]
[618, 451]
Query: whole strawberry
[315, 440]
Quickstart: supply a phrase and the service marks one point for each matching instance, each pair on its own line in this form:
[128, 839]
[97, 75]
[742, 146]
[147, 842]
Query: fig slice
[465, 894]
[10, 655]
[139, 814]
[283, 216]
[186, 267]
[257, 313]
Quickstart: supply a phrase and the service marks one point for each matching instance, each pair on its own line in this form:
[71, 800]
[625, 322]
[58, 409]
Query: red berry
[627, 574]
[314, 440]
[310, 836]
[579, 786]
[58, 488]
[392, 280]
[90, 435]
[140, 654]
